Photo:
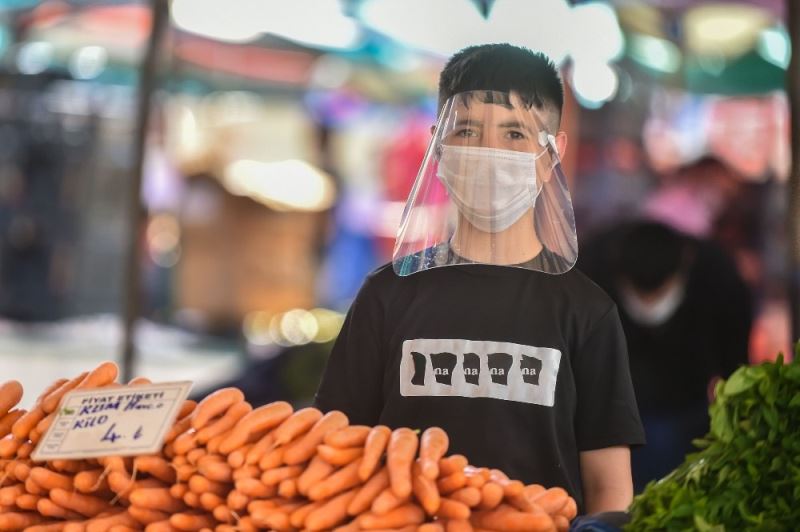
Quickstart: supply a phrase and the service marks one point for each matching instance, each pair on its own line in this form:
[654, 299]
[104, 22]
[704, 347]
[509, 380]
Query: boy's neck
[516, 245]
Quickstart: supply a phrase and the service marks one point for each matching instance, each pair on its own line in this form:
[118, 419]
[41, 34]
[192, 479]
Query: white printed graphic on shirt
[471, 368]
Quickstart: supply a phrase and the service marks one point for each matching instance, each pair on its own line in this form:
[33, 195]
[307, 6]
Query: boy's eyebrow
[468, 122]
[515, 124]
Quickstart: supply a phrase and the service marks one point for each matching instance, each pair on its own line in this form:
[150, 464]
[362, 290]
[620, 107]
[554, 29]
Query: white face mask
[653, 313]
[492, 188]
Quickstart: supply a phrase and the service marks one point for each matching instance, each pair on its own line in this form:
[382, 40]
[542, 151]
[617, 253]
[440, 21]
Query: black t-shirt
[707, 336]
[522, 369]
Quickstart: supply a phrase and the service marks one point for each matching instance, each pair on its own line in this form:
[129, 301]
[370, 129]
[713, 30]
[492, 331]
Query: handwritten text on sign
[112, 421]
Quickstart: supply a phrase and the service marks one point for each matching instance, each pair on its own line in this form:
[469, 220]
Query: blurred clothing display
[687, 315]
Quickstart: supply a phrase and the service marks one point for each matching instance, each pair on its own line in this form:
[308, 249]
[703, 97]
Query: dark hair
[650, 253]
[503, 67]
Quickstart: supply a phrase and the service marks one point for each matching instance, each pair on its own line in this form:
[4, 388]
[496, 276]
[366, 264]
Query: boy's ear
[433, 129]
[561, 144]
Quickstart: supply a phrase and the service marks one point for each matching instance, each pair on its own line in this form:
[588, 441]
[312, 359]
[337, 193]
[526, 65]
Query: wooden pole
[136, 211]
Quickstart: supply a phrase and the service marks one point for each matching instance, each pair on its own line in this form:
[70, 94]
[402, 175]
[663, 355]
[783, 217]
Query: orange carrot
[505, 518]
[450, 509]
[288, 488]
[8, 420]
[368, 492]
[191, 521]
[215, 404]
[87, 505]
[407, 514]
[561, 522]
[431, 527]
[30, 487]
[570, 510]
[48, 508]
[332, 512]
[297, 424]
[399, 458]
[147, 516]
[455, 525]
[304, 448]
[452, 482]
[339, 456]
[433, 446]
[260, 419]
[352, 436]
[317, 470]
[155, 466]
[23, 426]
[272, 459]
[178, 490]
[552, 500]
[250, 471]
[209, 501]
[10, 396]
[298, 517]
[237, 457]
[469, 496]
[155, 499]
[185, 442]
[491, 496]
[180, 427]
[387, 501]
[21, 470]
[216, 471]
[425, 491]
[259, 449]
[452, 464]
[9, 494]
[223, 514]
[50, 480]
[19, 520]
[237, 500]
[104, 374]
[232, 416]
[253, 487]
[276, 476]
[27, 501]
[342, 480]
[160, 526]
[200, 484]
[53, 399]
[103, 524]
[376, 443]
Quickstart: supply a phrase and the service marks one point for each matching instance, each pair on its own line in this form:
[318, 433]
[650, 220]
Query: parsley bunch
[746, 474]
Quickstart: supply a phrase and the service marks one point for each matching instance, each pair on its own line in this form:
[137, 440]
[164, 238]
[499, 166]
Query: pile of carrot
[228, 467]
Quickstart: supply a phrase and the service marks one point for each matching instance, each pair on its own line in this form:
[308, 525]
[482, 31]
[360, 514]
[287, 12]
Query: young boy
[480, 325]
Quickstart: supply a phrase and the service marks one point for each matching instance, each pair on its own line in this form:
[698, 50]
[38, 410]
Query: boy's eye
[516, 135]
[466, 133]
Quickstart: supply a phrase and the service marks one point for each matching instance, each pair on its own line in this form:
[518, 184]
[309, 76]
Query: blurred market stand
[224, 174]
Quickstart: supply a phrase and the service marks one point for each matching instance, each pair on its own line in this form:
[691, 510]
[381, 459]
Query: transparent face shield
[490, 191]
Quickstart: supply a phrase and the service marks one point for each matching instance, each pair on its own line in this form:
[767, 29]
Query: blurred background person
[687, 313]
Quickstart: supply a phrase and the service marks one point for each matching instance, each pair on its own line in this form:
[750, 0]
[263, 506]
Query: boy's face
[501, 121]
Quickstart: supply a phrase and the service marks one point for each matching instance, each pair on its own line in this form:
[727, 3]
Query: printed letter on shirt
[472, 368]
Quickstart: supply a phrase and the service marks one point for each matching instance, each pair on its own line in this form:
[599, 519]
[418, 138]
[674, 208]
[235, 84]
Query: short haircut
[651, 253]
[506, 68]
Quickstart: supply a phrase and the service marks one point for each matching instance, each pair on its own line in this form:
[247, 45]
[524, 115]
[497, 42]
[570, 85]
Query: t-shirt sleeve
[353, 377]
[607, 414]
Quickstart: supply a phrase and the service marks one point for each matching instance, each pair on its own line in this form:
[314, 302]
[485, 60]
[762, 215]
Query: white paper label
[474, 368]
[112, 421]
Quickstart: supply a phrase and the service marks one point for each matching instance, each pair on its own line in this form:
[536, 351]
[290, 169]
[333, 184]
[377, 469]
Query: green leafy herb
[746, 473]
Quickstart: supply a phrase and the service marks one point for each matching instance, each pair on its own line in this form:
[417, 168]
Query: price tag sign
[112, 421]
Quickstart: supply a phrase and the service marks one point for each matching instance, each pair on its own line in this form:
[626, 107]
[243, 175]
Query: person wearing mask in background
[686, 312]
[480, 325]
